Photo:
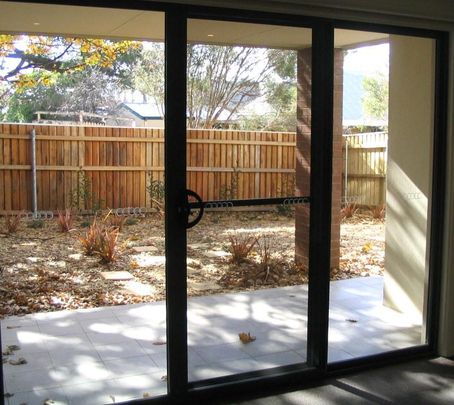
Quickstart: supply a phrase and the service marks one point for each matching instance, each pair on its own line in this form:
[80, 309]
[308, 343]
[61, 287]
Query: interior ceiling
[149, 25]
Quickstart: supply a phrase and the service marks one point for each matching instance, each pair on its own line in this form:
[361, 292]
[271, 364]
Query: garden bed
[44, 269]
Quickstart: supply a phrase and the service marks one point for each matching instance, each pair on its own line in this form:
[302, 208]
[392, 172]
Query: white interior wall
[411, 111]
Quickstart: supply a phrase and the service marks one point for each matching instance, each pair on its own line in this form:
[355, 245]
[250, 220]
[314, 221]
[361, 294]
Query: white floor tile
[280, 359]
[95, 393]
[61, 327]
[120, 350]
[219, 353]
[101, 325]
[133, 366]
[37, 397]
[99, 338]
[35, 361]
[104, 353]
[84, 371]
[30, 380]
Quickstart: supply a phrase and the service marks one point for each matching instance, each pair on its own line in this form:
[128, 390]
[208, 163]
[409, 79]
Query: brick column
[303, 155]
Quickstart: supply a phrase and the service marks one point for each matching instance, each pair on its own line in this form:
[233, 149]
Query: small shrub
[65, 220]
[100, 240]
[85, 224]
[378, 212]
[117, 221]
[131, 221]
[91, 240]
[230, 192]
[36, 224]
[107, 248]
[349, 210]
[284, 210]
[264, 253]
[156, 191]
[12, 223]
[240, 247]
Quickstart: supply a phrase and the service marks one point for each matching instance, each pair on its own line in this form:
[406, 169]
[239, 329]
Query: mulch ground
[45, 269]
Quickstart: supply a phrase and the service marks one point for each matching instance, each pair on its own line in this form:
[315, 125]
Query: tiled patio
[111, 354]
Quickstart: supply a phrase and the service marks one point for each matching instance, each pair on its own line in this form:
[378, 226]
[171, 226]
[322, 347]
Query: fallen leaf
[146, 395]
[12, 327]
[351, 320]
[159, 342]
[164, 378]
[10, 350]
[48, 401]
[246, 337]
[8, 395]
[18, 362]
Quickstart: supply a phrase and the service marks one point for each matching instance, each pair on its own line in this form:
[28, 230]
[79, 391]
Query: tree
[280, 92]
[90, 90]
[221, 80]
[149, 74]
[375, 101]
[28, 61]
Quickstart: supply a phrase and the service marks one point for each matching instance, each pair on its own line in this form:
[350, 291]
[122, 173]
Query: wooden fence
[113, 166]
[365, 168]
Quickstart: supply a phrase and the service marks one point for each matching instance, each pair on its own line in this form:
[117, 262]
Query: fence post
[33, 167]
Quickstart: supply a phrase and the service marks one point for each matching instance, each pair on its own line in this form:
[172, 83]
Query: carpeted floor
[420, 382]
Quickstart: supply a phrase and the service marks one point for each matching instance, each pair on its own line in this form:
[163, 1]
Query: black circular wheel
[194, 214]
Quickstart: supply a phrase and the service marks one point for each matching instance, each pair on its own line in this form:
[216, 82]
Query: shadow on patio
[116, 353]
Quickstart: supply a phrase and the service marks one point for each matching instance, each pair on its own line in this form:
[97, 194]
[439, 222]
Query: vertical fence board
[120, 162]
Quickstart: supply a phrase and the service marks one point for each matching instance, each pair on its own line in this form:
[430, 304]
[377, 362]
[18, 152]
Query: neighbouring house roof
[144, 111]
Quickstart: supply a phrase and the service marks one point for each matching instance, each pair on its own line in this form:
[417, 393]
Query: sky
[368, 60]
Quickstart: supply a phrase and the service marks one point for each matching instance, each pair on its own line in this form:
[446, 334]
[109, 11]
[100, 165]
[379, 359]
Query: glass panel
[83, 284]
[247, 265]
[383, 161]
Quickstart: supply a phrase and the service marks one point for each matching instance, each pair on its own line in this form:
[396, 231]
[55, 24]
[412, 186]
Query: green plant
[378, 212]
[285, 210]
[36, 224]
[131, 221]
[230, 192]
[240, 247]
[65, 220]
[156, 191]
[349, 210]
[82, 197]
[12, 223]
[85, 224]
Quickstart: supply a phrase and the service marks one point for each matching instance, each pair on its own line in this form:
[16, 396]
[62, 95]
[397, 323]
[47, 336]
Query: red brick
[302, 214]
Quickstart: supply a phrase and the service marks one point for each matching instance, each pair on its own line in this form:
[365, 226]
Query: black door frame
[175, 155]
[320, 222]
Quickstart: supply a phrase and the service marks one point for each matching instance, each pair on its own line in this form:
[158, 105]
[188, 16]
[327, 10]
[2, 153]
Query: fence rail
[113, 166]
[365, 168]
